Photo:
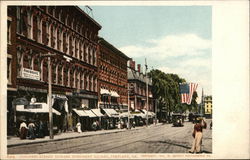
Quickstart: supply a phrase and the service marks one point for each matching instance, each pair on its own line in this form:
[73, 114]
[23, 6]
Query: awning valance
[105, 91]
[111, 112]
[114, 94]
[97, 112]
[36, 108]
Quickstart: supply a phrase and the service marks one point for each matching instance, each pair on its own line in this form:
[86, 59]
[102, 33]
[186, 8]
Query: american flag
[186, 91]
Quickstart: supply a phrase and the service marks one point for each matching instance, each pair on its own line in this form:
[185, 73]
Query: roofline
[79, 9]
[113, 48]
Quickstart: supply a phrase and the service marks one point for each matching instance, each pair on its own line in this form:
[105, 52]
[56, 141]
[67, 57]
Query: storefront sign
[33, 106]
[30, 74]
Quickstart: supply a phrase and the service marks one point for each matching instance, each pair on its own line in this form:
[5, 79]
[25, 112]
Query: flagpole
[146, 68]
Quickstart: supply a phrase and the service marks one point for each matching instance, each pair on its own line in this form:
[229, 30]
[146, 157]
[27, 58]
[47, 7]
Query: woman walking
[197, 134]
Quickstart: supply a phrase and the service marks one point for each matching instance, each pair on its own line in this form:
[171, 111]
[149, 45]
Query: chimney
[139, 68]
[132, 64]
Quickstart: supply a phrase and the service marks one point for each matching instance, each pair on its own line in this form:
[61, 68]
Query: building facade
[112, 71]
[208, 107]
[137, 83]
[69, 37]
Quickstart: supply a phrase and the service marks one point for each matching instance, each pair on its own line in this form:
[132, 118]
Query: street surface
[154, 139]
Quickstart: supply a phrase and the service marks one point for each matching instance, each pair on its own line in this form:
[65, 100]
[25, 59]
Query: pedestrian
[78, 126]
[31, 130]
[23, 130]
[211, 124]
[197, 134]
[94, 126]
[40, 129]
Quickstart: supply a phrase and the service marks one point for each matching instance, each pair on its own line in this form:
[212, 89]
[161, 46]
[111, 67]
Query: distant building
[137, 82]
[112, 80]
[208, 107]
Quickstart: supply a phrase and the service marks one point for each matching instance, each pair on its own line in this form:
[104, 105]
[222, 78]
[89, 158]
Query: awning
[90, 113]
[84, 113]
[111, 112]
[138, 114]
[150, 114]
[97, 112]
[105, 91]
[114, 94]
[36, 108]
[125, 114]
[80, 113]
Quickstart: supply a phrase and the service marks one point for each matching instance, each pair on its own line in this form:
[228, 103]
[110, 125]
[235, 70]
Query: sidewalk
[16, 141]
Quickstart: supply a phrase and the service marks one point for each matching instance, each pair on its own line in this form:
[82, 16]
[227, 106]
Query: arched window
[65, 76]
[45, 71]
[36, 63]
[82, 80]
[35, 28]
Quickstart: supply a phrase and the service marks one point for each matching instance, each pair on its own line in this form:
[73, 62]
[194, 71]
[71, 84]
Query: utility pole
[51, 136]
[202, 101]
[146, 68]
[128, 107]
[49, 96]
[155, 111]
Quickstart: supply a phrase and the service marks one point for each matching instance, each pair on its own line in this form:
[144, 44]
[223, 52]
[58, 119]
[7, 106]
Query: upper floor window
[9, 30]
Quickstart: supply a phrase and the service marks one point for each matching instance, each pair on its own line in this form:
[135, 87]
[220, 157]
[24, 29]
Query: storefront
[35, 113]
[112, 118]
[85, 117]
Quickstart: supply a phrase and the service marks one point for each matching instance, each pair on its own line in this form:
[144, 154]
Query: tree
[165, 88]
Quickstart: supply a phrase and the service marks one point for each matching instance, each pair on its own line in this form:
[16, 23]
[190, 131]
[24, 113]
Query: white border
[230, 75]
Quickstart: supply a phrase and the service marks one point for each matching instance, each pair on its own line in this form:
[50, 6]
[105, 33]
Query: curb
[60, 139]
[67, 138]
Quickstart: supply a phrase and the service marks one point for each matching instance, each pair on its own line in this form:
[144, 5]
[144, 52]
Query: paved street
[154, 139]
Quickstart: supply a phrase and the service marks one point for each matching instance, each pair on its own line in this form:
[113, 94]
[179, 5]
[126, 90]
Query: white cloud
[182, 54]
[169, 46]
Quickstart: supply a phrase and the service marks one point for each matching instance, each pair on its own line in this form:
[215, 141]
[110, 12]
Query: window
[9, 68]
[9, 30]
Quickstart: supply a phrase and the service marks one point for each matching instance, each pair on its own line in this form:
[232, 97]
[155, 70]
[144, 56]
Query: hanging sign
[30, 74]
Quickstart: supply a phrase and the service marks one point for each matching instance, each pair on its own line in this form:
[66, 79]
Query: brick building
[68, 33]
[112, 77]
[137, 83]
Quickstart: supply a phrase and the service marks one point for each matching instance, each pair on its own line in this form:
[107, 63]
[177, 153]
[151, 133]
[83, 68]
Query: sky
[173, 39]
